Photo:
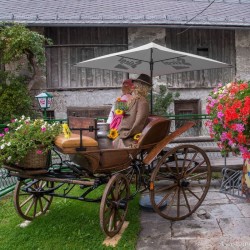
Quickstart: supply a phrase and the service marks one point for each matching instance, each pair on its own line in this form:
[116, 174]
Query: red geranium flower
[229, 110]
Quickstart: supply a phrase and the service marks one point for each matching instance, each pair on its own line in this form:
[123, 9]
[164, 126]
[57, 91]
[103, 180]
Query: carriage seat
[68, 146]
[157, 128]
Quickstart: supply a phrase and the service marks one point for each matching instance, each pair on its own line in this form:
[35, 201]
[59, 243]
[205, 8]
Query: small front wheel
[31, 199]
[114, 204]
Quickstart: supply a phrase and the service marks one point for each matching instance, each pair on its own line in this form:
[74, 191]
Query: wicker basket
[34, 161]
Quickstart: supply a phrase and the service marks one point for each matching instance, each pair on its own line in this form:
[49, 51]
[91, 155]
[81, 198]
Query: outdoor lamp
[44, 100]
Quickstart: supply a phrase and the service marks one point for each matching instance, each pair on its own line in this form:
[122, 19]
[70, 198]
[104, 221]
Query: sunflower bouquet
[121, 107]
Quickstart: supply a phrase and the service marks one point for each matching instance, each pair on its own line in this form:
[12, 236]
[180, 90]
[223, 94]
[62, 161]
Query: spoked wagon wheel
[180, 181]
[114, 204]
[30, 199]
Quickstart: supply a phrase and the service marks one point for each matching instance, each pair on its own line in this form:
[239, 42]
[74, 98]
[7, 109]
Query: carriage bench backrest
[157, 128]
[83, 122]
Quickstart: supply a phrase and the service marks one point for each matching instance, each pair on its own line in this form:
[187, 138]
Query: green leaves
[15, 99]
[16, 40]
[163, 100]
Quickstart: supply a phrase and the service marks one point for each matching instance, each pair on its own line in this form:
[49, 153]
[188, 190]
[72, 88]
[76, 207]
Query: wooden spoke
[198, 198]
[40, 203]
[35, 206]
[27, 200]
[30, 206]
[164, 188]
[185, 196]
[195, 167]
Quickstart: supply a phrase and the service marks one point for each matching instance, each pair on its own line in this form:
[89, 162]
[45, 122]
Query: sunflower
[119, 112]
[113, 133]
[137, 136]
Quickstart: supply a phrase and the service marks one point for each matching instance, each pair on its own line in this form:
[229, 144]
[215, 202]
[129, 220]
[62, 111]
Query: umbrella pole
[151, 76]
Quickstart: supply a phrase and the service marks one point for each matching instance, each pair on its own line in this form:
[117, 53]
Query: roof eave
[131, 23]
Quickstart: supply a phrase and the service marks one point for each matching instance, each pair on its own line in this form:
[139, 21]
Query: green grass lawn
[70, 224]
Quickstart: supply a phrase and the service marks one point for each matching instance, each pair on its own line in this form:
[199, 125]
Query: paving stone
[218, 243]
[244, 208]
[161, 244]
[156, 229]
[236, 200]
[222, 211]
[155, 233]
[220, 223]
[188, 229]
[236, 227]
[213, 197]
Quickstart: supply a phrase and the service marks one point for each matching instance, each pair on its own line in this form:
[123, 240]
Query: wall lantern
[45, 100]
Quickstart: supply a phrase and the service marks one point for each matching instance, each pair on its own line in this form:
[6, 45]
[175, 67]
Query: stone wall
[242, 47]
[82, 98]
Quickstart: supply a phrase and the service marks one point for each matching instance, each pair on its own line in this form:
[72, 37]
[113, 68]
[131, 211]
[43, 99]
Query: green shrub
[162, 101]
[15, 99]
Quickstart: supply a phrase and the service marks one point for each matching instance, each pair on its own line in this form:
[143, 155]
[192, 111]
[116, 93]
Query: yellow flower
[66, 131]
[113, 133]
[119, 112]
[137, 136]
[118, 99]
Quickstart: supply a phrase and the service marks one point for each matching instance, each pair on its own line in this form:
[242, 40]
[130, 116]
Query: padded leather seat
[68, 145]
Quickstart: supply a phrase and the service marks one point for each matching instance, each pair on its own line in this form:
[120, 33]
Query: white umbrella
[152, 59]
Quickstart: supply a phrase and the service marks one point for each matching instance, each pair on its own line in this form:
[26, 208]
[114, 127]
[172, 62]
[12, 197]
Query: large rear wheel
[181, 179]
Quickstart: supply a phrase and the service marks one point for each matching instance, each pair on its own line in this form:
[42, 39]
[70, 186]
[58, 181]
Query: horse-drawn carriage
[177, 178]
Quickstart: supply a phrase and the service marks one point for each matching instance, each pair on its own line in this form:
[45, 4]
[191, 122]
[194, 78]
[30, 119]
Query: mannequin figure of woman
[136, 115]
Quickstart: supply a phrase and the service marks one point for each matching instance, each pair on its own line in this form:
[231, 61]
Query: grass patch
[69, 224]
[217, 175]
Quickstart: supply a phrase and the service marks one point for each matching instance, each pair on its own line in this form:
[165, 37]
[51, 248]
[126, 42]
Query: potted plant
[229, 110]
[24, 141]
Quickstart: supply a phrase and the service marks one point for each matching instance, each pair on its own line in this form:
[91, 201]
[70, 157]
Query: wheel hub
[185, 183]
[118, 204]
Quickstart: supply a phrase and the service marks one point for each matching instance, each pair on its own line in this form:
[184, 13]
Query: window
[185, 109]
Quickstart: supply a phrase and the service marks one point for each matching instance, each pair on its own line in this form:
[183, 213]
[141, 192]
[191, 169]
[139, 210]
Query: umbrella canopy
[152, 59]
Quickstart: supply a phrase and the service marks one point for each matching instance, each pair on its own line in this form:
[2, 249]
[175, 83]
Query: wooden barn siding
[72, 45]
[221, 47]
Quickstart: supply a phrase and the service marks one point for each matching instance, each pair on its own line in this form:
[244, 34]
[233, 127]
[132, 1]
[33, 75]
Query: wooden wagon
[177, 177]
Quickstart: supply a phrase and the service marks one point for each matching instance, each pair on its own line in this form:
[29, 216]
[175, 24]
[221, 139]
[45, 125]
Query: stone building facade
[82, 30]
[139, 36]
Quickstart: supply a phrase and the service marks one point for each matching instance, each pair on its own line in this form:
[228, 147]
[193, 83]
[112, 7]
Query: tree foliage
[16, 40]
[15, 99]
